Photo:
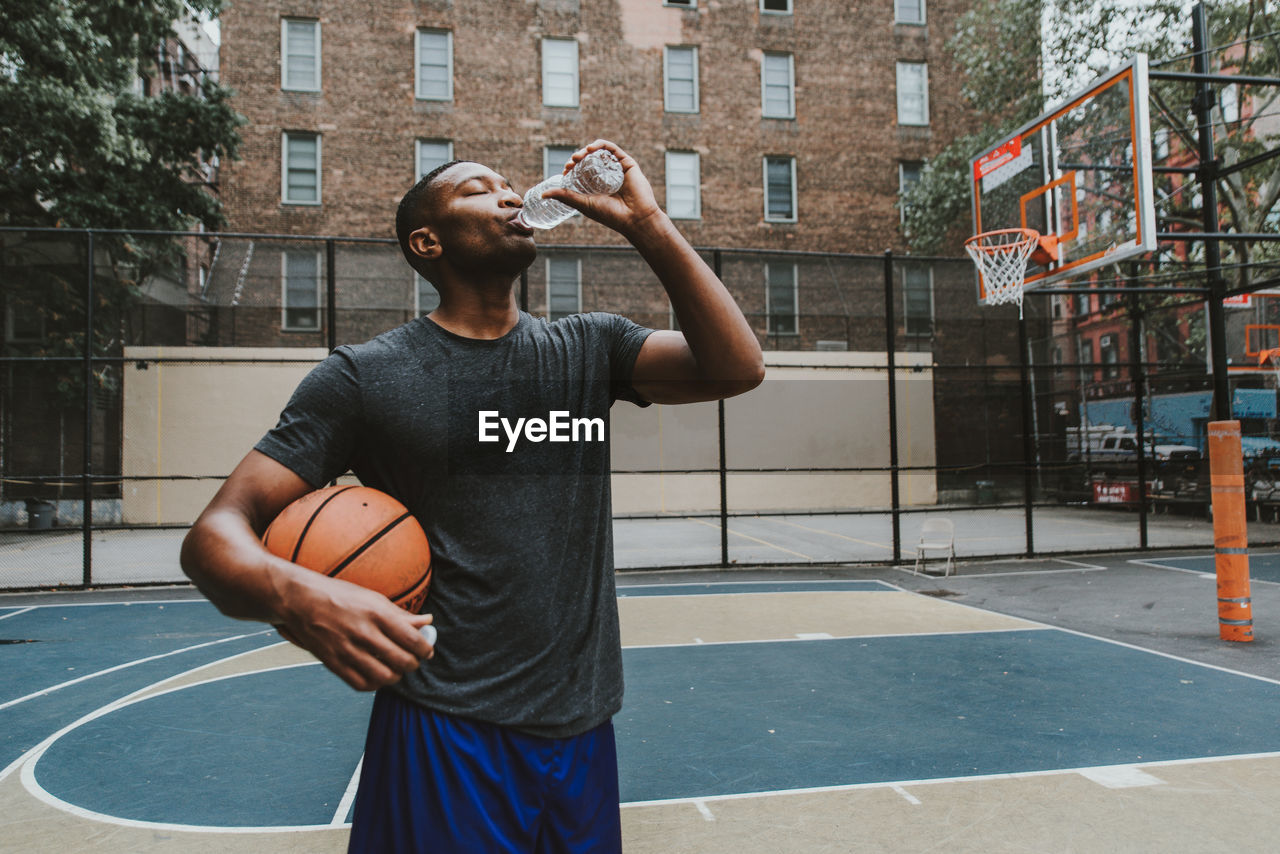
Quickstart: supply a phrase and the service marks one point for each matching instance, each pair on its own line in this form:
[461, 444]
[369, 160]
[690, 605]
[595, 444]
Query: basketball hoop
[1273, 356]
[1002, 258]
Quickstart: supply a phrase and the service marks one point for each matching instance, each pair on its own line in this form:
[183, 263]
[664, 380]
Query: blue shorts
[439, 784]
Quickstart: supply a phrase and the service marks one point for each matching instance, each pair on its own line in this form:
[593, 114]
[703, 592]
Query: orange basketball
[357, 534]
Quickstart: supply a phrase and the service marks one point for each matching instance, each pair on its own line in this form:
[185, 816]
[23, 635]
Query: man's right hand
[357, 633]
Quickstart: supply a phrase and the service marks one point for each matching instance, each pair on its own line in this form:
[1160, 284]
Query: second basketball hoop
[1002, 257]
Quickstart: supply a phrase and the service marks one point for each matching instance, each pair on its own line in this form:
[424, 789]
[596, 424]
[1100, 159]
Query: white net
[1002, 258]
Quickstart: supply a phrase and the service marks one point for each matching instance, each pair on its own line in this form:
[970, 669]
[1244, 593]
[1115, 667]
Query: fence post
[890, 344]
[331, 292]
[1137, 374]
[716, 263]
[86, 480]
[1028, 443]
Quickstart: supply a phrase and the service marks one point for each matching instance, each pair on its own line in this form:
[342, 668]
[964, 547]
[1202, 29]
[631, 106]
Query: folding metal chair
[936, 535]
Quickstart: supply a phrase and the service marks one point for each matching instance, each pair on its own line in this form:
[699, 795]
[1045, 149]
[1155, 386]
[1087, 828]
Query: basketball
[357, 534]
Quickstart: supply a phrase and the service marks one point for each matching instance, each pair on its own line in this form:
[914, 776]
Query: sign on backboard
[1080, 172]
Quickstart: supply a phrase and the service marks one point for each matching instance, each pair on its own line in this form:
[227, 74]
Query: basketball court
[1017, 705]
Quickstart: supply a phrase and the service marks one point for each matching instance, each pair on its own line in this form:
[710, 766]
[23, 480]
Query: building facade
[769, 125]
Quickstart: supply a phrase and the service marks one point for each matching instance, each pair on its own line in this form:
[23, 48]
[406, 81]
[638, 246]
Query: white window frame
[899, 19]
[417, 64]
[284, 169]
[284, 292]
[547, 71]
[795, 211]
[554, 157]
[696, 160]
[768, 298]
[418, 144]
[284, 55]
[902, 184]
[933, 306]
[787, 11]
[666, 79]
[903, 93]
[791, 85]
[577, 272]
[418, 282]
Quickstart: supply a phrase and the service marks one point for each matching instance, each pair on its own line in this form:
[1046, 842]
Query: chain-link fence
[139, 369]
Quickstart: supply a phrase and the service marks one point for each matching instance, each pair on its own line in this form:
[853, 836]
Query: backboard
[1080, 173]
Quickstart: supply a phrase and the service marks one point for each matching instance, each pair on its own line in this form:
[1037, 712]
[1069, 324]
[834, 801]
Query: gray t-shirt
[520, 528]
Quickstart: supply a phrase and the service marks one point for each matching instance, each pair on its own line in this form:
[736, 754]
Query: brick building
[770, 125]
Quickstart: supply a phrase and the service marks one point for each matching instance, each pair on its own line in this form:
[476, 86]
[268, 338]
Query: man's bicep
[258, 489]
[665, 371]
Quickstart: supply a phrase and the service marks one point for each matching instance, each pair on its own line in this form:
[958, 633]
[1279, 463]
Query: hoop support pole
[1230, 540]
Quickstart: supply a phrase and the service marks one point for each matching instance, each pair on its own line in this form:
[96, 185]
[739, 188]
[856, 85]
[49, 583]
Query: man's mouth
[517, 222]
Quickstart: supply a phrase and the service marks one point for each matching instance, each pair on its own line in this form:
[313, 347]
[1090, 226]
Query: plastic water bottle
[599, 173]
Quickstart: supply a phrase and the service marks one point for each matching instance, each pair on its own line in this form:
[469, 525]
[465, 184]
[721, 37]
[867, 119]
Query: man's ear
[424, 243]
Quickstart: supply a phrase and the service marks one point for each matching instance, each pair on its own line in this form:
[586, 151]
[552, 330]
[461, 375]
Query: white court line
[959, 575]
[1042, 625]
[348, 797]
[103, 604]
[1154, 564]
[1035, 627]
[705, 810]
[910, 798]
[755, 540]
[893, 785]
[31, 758]
[16, 613]
[795, 581]
[125, 665]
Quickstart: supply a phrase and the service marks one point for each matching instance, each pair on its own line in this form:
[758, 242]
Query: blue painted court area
[63, 662]
[1263, 566]
[279, 747]
[722, 719]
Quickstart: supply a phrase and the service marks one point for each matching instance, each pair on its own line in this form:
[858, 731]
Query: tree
[79, 146]
[1010, 76]
[84, 145]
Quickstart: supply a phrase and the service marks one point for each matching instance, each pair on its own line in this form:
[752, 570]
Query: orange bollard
[1230, 539]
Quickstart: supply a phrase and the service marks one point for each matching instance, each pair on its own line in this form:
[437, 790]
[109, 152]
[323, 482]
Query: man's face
[474, 221]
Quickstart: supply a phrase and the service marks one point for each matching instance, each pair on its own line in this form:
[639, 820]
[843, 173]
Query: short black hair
[414, 208]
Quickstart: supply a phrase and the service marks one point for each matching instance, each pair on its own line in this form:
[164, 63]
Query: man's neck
[477, 318]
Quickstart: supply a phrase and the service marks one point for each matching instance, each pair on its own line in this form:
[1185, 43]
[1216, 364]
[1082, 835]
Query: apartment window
[913, 93]
[300, 55]
[23, 322]
[680, 79]
[909, 172]
[1084, 352]
[917, 299]
[301, 290]
[435, 65]
[431, 153]
[564, 287]
[1229, 98]
[684, 185]
[1109, 355]
[777, 86]
[559, 73]
[776, 7]
[780, 189]
[300, 168]
[426, 298]
[1082, 305]
[782, 298]
[554, 157]
[683, 4]
[908, 11]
